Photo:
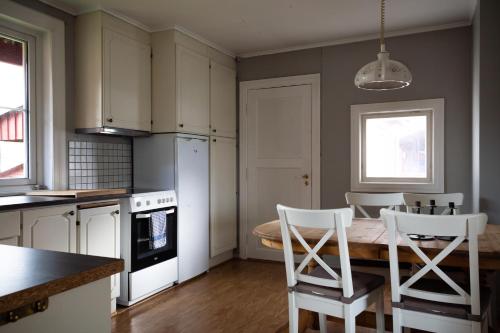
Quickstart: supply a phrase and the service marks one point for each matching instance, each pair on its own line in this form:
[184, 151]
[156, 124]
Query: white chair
[324, 290]
[360, 200]
[442, 200]
[436, 305]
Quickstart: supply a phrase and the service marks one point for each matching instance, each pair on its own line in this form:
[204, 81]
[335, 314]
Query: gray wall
[487, 108]
[440, 62]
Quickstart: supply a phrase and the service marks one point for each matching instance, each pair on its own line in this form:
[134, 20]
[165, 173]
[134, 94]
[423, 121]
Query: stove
[148, 244]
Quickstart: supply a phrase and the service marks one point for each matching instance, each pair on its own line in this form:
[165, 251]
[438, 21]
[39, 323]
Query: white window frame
[433, 109]
[31, 111]
[51, 95]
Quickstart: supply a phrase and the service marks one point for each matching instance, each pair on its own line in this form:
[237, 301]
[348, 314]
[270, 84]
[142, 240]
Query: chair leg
[349, 320]
[293, 314]
[396, 321]
[379, 310]
[322, 322]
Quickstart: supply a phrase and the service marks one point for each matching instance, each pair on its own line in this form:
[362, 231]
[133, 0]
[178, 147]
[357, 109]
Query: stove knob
[147, 202]
[159, 201]
[138, 204]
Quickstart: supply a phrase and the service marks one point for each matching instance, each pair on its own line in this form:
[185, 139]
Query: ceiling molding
[200, 39]
[355, 39]
[61, 6]
[69, 9]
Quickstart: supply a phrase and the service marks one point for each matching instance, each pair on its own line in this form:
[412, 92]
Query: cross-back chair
[442, 200]
[360, 200]
[438, 304]
[325, 290]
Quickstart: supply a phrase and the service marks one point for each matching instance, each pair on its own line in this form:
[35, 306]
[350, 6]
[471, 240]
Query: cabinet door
[222, 100]
[192, 91]
[10, 228]
[126, 82]
[51, 228]
[100, 236]
[223, 220]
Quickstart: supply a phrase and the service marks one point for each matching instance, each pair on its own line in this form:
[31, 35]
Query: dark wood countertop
[28, 275]
[9, 203]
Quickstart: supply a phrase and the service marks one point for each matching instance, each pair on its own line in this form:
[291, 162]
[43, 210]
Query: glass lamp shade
[383, 74]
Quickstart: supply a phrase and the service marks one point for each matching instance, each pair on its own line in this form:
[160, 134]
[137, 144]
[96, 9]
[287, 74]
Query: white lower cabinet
[10, 228]
[223, 216]
[99, 235]
[52, 228]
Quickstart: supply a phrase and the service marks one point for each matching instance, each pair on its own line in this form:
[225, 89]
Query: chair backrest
[360, 200]
[442, 200]
[332, 221]
[400, 225]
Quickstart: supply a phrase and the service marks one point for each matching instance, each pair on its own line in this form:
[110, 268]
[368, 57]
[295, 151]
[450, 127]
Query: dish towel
[158, 230]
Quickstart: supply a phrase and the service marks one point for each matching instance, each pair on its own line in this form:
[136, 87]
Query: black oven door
[147, 247]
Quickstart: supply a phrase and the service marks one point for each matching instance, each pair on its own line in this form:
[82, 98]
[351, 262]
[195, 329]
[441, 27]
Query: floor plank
[238, 296]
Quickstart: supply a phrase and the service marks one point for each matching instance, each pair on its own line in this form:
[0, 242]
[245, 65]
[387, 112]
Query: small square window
[397, 146]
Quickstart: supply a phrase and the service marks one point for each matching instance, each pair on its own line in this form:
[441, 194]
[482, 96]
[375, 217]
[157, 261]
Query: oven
[144, 253]
[148, 244]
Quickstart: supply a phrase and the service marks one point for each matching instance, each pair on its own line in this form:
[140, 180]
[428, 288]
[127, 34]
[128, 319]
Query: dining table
[368, 240]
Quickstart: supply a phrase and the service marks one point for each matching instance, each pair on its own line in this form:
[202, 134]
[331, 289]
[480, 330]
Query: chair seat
[443, 309]
[363, 283]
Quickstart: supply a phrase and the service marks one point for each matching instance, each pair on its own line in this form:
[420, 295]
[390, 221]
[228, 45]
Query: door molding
[314, 81]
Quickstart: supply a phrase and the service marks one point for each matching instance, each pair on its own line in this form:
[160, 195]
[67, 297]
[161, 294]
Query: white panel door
[126, 82]
[192, 182]
[10, 228]
[100, 236]
[278, 157]
[223, 216]
[222, 100]
[192, 91]
[51, 228]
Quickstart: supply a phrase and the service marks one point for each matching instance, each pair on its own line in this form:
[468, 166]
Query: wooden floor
[238, 296]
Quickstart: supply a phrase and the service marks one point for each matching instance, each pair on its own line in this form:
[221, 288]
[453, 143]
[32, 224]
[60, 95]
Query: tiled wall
[94, 165]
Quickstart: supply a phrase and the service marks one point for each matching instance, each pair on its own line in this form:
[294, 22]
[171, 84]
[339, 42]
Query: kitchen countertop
[8, 203]
[29, 275]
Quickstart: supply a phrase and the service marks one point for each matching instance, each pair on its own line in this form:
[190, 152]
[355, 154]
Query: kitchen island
[48, 291]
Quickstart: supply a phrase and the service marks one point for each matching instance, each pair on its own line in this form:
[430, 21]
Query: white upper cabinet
[100, 236]
[113, 74]
[192, 90]
[222, 100]
[51, 228]
[223, 215]
[182, 85]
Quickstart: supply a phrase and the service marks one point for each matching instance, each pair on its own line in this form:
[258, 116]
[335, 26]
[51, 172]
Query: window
[17, 147]
[397, 146]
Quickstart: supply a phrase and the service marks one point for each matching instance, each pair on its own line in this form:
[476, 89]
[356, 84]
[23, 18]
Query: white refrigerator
[180, 162]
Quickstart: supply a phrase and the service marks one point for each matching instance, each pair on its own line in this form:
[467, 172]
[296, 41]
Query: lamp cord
[382, 23]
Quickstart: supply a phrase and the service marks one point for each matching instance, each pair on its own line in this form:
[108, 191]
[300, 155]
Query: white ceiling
[248, 26]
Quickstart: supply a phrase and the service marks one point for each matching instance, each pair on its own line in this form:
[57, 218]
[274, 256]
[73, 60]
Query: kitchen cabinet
[52, 228]
[182, 84]
[222, 100]
[113, 75]
[99, 235]
[10, 228]
[223, 215]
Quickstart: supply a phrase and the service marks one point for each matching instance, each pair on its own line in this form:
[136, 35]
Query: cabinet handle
[214, 130]
[117, 212]
[109, 120]
[72, 212]
[181, 125]
[214, 140]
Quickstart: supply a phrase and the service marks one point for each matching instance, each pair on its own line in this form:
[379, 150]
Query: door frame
[314, 80]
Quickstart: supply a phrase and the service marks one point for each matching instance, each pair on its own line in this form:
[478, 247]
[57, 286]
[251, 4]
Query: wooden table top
[368, 239]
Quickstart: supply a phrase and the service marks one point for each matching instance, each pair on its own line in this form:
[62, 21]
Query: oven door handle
[170, 211]
[143, 216]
